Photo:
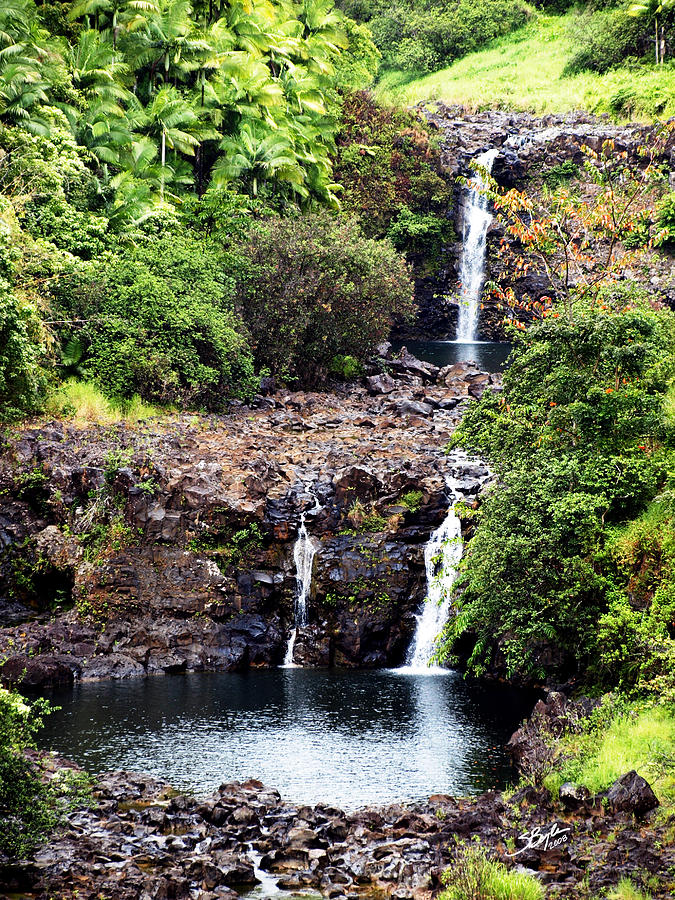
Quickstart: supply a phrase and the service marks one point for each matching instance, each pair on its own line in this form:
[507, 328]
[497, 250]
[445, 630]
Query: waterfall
[441, 559]
[303, 556]
[477, 220]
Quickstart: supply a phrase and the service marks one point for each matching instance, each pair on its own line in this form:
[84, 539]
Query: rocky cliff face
[530, 147]
[168, 545]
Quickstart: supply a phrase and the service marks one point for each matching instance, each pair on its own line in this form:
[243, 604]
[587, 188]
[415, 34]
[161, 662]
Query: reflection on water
[348, 738]
[487, 355]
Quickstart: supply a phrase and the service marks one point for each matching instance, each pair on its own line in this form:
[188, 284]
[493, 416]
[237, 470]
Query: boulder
[36, 673]
[412, 408]
[381, 384]
[574, 796]
[356, 483]
[631, 793]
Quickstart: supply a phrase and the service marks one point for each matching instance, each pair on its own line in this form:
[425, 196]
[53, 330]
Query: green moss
[228, 548]
[413, 500]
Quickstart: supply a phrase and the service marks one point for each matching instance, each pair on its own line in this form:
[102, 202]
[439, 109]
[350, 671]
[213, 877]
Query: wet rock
[412, 408]
[38, 673]
[381, 384]
[631, 793]
[573, 796]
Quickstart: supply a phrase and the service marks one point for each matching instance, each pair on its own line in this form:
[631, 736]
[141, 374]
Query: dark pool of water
[488, 355]
[347, 738]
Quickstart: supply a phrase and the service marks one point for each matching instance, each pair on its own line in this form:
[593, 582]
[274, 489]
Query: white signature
[543, 838]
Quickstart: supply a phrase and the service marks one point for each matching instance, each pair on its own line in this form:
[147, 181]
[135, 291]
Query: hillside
[524, 71]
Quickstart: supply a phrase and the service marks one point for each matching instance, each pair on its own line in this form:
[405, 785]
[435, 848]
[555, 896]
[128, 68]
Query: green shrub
[413, 500]
[604, 39]
[574, 440]
[389, 169]
[160, 324]
[30, 806]
[419, 233]
[22, 382]
[424, 36]
[345, 367]
[359, 63]
[314, 288]
[561, 173]
[473, 876]
[665, 219]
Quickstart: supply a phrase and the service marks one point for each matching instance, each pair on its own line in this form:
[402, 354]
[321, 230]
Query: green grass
[473, 876]
[523, 71]
[83, 402]
[640, 739]
[626, 890]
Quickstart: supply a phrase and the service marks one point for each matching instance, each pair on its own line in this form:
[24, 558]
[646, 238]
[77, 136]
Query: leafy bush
[604, 39]
[389, 169]
[473, 876]
[22, 382]
[159, 323]
[665, 219]
[314, 288]
[359, 63]
[425, 36]
[30, 806]
[574, 438]
[561, 173]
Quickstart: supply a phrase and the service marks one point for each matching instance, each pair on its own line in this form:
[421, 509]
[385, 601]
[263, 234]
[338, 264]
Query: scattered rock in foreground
[141, 840]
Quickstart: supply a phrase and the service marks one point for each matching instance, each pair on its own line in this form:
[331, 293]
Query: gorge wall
[168, 545]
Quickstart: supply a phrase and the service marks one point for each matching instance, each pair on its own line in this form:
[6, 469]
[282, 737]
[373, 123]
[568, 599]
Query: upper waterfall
[477, 218]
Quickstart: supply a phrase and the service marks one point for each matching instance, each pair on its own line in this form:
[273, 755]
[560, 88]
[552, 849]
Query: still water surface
[346, 738]
[488, 355]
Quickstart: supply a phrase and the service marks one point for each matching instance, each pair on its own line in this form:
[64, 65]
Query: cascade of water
[477, 220]
[441, 558]
[304, 552]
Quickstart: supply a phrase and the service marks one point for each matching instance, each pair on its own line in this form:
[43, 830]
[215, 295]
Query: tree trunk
[656, 39]
[161, 183]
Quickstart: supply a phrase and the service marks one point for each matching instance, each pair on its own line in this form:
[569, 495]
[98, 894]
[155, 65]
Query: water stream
[442, 554]
[304, 552]
[477, 218]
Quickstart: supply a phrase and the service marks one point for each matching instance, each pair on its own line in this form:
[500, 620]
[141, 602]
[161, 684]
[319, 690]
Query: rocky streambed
[140, 839]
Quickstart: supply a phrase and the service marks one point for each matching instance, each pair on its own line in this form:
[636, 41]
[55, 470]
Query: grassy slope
[523, 71]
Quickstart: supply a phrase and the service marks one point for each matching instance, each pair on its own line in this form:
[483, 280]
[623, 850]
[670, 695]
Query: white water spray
[304, 552]
[441, 558]
[477, 220]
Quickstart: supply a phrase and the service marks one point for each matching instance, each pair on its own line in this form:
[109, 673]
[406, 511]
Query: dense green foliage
[579, 440]
[160, 322]
[388, 168]
[30, 805]
[138, 145]
[424, 35]
[316, 288]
